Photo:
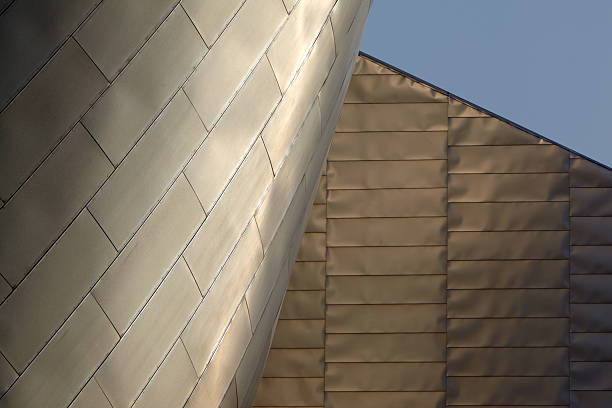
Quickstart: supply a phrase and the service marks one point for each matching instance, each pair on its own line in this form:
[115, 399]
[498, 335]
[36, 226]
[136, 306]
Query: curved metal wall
[157, 163]
[451, 259]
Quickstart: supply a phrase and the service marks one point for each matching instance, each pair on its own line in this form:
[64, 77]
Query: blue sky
[545, 64]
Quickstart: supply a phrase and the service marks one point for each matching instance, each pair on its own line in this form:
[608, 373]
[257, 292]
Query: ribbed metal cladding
[467, 263]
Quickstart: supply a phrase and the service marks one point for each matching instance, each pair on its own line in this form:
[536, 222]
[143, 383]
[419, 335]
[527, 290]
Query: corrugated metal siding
[465, 266]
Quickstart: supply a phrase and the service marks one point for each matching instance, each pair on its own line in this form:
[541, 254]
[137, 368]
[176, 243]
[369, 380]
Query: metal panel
[458, 109]
[385, 318]
[290, 392]
[388, 146]
[392, 117]
[91, 397]
[508, 274]
[385, 289]
[384, 376]
[299, 334]
[508, 159]
[210, 16]
[591, 259]
[592, 289]
[390, 89]
[307, 276]
[303, 304]
[546, 361]
[508, 245]
[54, 288]
[67, 362]
[429, 202]
[221, 73]
[387, 174]
[41, 115]
[508, 187]
[116, 30]
[591, 376]
[386, 260]
[591, 317]
[350, 348]
[136, 97]
[47, 203]
[142, 265]
[508, 332]
[591, 230]
[591, 399]
[394, 399]
[508, 303]
[7, 375]
[585, 173]
[313, 247]
[591, 201]
[487, 131]
[521, 216]
[508, 390]
[364, 66]
[317, 222]
[294, 363]
[128, 197]
[386, 231]
[591, 347]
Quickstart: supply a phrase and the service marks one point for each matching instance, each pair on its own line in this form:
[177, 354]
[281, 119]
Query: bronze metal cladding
[455, 260]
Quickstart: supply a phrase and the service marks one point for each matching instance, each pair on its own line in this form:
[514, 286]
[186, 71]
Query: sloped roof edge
[477, 107]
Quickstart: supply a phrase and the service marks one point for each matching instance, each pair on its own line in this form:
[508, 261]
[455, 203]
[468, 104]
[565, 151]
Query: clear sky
[545, 64]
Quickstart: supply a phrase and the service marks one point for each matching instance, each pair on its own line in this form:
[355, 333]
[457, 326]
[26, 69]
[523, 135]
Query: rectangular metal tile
[299, 334]
[588, 201]
[351, 348]
[128, 107]
[507, 159]
[388, 146]
[5, 289]
[386, 231]
[91, 397]
[390, 89]
[591, 399]
[591, 317]
[365, 66]
[591, 347]
[59, 94]
[387, 399]
[220, 372]
[591, 376]
[467, 303]
[508, 274]
[321, 194]
[508, 187]
[206, 327]
[487, 131]
[313, 247]
[67, 179]
[508, 332]
[172, 383]
[116, 30]
[133, 362]
[591, 289]
[508, 390]
[307, 276]
[210, 16]
[66, 363]
[508, 245]
[141, 266]
[591, 259]
[218, 235]
[585, 173]
[7, 375]
[394, 117]
[522, 216]
[57, 284]
[342, 17]
[429, 202]
[386, 260]
[222, 72]
[385, 289]
[386, 174]
[317, 221]
[220, 155]
[28, 37]
[294, 363]
[385, 318]
[591, 230]
[384, 376]
[288, 177]
[285, 123]
[289, 48]
[290, 392]
[458, 109]
[303, 304]
[547, 361]
[230, 399]
[128, 197]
